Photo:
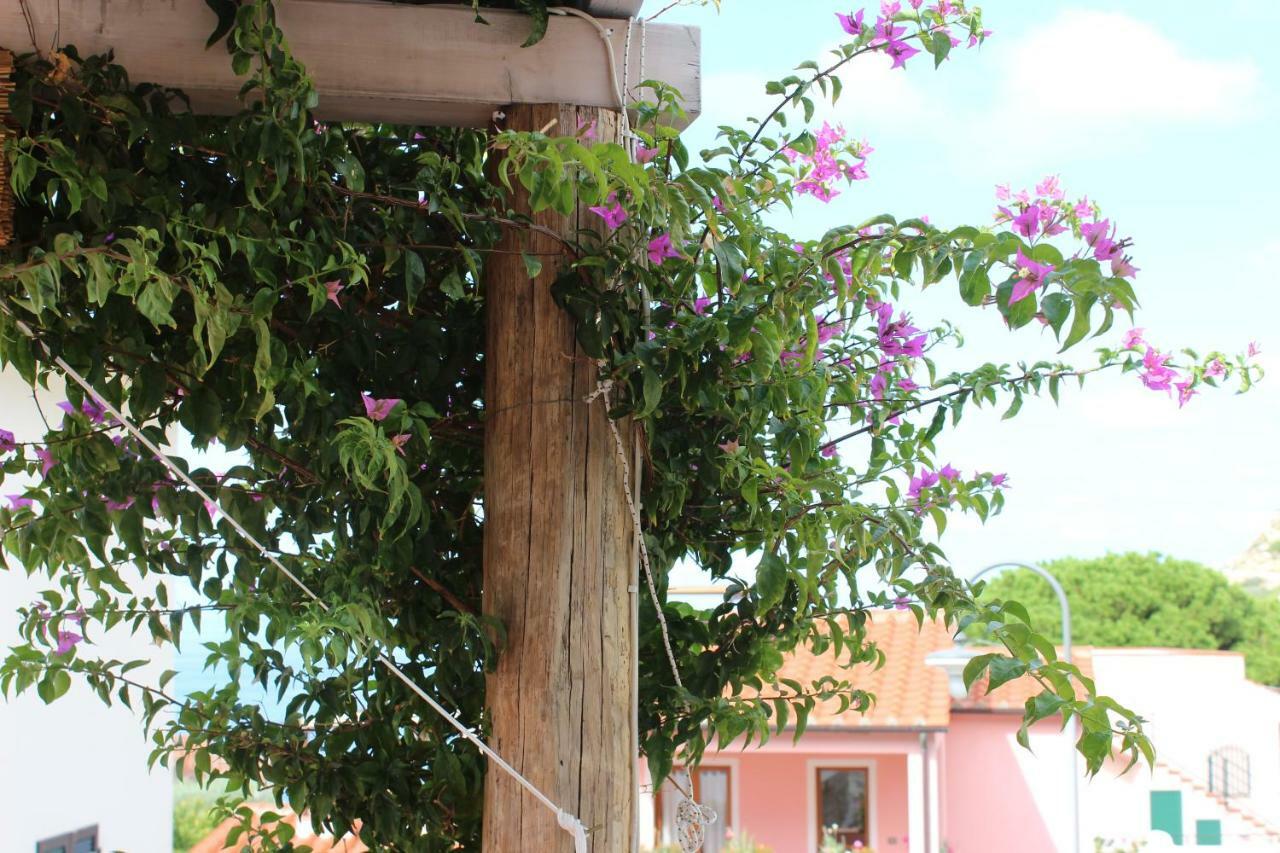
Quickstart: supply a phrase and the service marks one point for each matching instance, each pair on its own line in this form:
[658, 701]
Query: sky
[1172, 132]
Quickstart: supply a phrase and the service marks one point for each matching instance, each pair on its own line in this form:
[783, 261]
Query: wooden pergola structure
[560, 556]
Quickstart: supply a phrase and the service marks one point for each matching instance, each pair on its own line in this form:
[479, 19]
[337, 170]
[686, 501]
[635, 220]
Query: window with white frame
[843, 804]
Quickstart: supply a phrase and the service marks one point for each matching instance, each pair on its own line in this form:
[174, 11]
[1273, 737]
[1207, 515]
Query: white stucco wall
[76, 762]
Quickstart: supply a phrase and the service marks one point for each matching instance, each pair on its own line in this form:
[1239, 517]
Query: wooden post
[559, 551]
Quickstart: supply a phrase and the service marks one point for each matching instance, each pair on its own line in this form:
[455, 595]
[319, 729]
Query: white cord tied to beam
[566, 820]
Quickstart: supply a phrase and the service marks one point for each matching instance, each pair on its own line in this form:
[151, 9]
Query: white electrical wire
[566, 820]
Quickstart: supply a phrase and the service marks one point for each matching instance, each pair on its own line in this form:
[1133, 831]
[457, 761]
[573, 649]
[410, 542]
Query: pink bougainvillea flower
[1096, 235]
[644, 153]
[376, 409]
[1027, 223]
[902, 603]
[947, 472]
[1185, 392]
[827, 331]
[1093, 232]
[66, 642]
[418, 135]
[47, 462]
[1121, 268]
[612, 212]
[908, 384]
[587, 130]
[717, 203]
[89, 408]
[400, 441]
[828, 451]
[1002, 192]
[660, 249]
[1049, 188]
[1156, 373]
[889, 9]
[886, 32]
[7, 442]
[879, 384]
[900, 51]
[701, 304]
[19, 502]
[1254, 349]
[1215, 369]
[851, 24]
[924, 480]
[1030, 277]
[118, 506]
[1000, 480]
[1133, 339]
[211, 508]
[332, 289]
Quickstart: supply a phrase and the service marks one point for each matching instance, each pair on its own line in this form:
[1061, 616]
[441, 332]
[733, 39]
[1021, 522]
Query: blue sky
[1172, 130]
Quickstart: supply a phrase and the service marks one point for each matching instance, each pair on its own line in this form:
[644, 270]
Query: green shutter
[1209, 833]
[1166, 813]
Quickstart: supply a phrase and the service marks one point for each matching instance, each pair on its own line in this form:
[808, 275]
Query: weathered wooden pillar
[559, 551]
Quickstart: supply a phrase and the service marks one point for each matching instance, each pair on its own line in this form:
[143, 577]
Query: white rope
[566, 820]
[602, 391]
[606, 35]
[692, 819]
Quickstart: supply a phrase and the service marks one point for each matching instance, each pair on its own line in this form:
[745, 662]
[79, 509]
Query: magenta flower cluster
[1046, 213]
[825, 165]
[889, 36]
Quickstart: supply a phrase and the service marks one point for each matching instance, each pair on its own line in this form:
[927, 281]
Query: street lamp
[953, 662]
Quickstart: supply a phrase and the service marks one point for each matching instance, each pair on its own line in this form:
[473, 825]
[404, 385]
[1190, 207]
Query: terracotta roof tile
[909, 693]
[1012, 696]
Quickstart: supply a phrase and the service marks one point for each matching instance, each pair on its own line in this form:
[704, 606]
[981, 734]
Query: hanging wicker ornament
[692, 820]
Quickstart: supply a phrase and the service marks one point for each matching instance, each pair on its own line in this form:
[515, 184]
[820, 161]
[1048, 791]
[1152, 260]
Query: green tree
[1137, 599]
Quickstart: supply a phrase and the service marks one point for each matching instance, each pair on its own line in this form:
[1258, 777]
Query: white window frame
[812, 766]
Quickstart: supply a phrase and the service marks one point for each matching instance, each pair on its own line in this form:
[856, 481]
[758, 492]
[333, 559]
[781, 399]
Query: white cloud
[1111, 68]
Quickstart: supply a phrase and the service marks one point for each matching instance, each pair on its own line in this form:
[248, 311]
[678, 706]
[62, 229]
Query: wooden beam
[560, 554]
[376, 61]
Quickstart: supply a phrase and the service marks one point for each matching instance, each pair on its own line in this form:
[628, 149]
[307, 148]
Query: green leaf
[1003, 670]
[415, 276]
[771, 581]
[532, 265]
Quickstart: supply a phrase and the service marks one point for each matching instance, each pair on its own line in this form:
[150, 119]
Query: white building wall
[74, 763]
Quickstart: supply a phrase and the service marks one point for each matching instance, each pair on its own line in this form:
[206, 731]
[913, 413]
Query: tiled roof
[909, 693]
[318, 840]
[1012, 696]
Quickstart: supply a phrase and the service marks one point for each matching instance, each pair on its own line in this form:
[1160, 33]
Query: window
[711, 787]
[1229, 774]
[842, 804]
[81, 841]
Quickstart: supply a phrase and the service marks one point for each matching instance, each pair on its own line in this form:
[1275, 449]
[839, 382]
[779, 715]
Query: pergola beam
[379, 61]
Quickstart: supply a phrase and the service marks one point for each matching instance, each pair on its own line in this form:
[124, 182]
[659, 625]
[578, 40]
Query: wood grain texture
[374, 61]
[560, 554]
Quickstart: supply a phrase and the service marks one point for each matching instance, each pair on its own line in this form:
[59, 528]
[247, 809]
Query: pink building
[925, 772]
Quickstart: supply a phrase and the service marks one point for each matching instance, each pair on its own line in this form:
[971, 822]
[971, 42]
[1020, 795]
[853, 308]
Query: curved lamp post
[954, 660]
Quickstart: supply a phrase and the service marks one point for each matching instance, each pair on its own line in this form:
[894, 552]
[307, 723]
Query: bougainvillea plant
[308, 298]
